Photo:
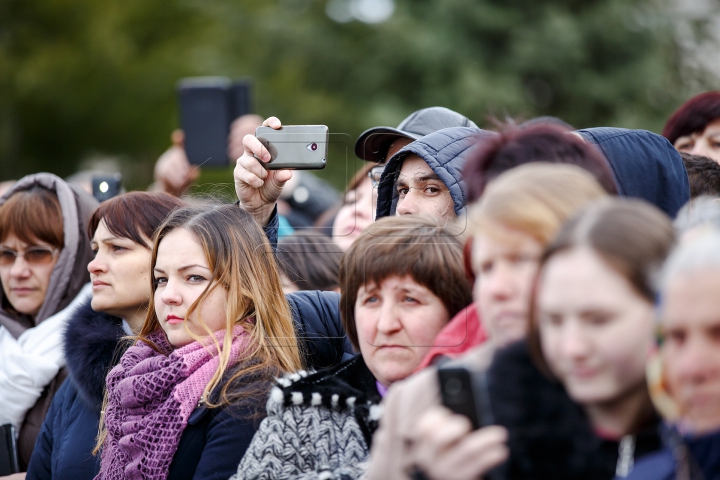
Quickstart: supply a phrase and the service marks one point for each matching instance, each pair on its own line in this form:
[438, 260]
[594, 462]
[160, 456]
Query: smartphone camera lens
[312, 147]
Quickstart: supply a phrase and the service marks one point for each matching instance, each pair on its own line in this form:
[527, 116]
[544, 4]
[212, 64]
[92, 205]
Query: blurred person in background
[43, 254]
[182, 401]
[695, 127]
[697, 216]
[703, 175]
[689, 343]
[574, 397]
[358, 208]
[394, 301]
[120, 230]
[519, 213]
[308, 261]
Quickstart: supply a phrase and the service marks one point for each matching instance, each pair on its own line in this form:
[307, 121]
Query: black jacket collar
[91, 350]
[550, 436]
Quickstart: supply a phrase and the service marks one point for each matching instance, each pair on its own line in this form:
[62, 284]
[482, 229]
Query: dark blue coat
[445, 152]
[215, 439]
[703, 451]
[645, 165]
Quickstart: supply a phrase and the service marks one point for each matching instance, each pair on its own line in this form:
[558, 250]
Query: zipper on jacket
[626, 456]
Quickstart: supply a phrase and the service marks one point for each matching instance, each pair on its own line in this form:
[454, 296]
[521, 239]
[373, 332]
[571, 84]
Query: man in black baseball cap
[378, 144]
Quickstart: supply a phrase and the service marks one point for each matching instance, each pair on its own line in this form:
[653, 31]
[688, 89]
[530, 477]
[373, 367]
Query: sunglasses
[33, 255]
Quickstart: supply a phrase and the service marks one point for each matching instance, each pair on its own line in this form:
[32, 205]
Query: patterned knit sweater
[319, 426]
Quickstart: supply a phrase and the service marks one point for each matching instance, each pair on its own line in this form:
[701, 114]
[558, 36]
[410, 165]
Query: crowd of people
[572, 275]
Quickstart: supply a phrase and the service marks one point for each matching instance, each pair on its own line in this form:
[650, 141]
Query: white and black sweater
[319, 426]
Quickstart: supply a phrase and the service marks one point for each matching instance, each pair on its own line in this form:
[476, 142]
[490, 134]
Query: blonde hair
[242, 262]
[535, 198]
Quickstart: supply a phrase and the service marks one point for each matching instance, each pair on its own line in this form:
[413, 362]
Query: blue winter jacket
[645, 165]
[214, 440]
[704, 459]
[446, 152]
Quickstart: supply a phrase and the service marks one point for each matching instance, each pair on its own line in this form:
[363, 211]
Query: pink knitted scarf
[150, 398]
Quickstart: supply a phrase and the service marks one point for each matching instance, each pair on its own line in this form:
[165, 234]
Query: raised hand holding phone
[257, 188]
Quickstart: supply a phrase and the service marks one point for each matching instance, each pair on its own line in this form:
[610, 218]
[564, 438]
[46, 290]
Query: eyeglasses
[375, 173]
[33, 255]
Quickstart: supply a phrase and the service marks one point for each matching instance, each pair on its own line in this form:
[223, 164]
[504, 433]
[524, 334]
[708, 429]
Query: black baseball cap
[372, 145]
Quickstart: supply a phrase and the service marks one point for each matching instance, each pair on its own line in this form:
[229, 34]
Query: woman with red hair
[695, 126]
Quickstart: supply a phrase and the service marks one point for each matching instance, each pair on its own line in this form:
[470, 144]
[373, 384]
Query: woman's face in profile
[25, 271]
[595, 329]
[505, 266]
[181, 275]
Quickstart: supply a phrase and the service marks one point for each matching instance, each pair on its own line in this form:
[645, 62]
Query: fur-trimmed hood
[91, 349]
[550, 436]
[349, 386]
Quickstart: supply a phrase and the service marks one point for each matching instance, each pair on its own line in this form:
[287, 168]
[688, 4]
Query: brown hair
[134, 215]
[693, 116]
[33, 214]
[632, 236]
[703, 174]
[309, 260]
[404, 246]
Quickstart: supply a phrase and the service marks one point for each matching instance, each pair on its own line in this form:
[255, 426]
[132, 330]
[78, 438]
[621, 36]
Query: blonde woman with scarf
[186, 398]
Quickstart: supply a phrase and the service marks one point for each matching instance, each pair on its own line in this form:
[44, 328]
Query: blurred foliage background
[82, 80]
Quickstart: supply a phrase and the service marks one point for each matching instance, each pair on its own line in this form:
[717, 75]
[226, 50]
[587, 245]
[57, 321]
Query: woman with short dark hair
[695, 126]
[402, 280]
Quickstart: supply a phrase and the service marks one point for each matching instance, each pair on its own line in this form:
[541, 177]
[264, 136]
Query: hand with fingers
[258, 189]
[447, 448]
[173, 171]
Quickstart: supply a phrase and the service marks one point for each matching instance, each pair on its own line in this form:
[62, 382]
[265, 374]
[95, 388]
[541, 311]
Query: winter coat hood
[91, 350]
[446, 152]
[70, 272]
[645, 165]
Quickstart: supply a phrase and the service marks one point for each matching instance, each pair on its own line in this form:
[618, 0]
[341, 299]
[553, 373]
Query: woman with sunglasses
[43, 255]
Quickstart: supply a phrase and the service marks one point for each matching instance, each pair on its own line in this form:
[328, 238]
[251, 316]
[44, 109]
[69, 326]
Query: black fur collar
[349, 385]
[550, 436]
[91, 342]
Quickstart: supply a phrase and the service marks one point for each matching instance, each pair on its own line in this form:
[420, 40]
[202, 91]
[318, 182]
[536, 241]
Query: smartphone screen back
[205, 118]
[295, 147]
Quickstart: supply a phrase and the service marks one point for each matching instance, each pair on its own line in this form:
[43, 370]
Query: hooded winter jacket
[214, 441]
[645, 165]
[446, 152]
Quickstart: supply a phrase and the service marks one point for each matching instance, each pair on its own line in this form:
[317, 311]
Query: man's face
[691, 347]
[420, 191]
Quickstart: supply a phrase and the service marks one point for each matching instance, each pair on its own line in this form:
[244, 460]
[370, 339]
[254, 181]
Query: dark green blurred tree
[82, 77]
